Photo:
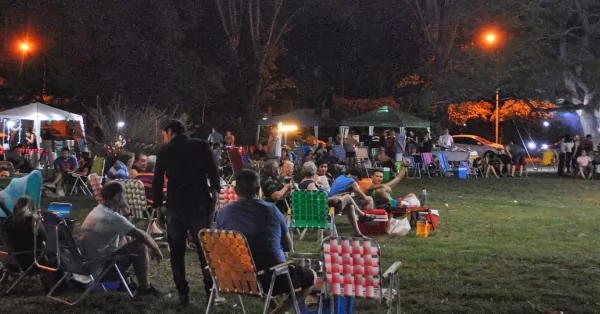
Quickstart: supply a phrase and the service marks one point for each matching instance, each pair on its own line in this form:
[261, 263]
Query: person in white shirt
[103, 235]
[565, 155]
[585, 164]
[446, 142]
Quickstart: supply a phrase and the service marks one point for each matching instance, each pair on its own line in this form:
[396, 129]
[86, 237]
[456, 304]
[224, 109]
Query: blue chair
[30, 184]
[444, 164]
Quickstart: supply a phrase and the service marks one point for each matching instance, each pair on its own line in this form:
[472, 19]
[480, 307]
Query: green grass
[504, 246]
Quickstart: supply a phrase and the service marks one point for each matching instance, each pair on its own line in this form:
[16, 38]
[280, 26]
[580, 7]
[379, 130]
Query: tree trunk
[590, 122]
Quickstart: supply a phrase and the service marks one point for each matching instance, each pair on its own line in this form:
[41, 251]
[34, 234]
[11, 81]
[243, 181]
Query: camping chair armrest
[275, 268]
[392, 270]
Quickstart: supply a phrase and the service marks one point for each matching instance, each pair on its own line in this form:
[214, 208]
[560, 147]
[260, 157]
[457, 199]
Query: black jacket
[189, 166]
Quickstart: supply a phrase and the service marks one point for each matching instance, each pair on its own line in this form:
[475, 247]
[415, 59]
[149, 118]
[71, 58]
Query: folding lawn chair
[353, 269]
[310, 210]
[82, 181]
[444, 164]
[135, 197]
[18, 264]
[232, 268]
[414, 166]
[427, 160]
[362, 159]
[70, 260]
[237, 163]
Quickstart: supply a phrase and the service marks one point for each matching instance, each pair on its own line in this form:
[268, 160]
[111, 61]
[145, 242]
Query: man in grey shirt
[215, 137]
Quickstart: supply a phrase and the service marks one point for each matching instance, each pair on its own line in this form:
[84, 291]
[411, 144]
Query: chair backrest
[135, 197]
[230, 262]
[245, 159]
[96, 183]
[444, 162]
[98, 166]
[9, 166]
[7, 256]
[339, 152]
[30, 184]
[353, 267]
[59, 241]
[412, 161]
[237, 163]
[427, 158]
[310, 209]
[362, 153]
[227, 195]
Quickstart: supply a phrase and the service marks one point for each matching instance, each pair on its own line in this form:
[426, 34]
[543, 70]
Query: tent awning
[300, 117]
[386, 117]
[39, 112]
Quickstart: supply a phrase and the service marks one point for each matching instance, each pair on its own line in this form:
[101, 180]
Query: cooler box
[380, 225]
[435, 218]
[461, 172]
[62, 208]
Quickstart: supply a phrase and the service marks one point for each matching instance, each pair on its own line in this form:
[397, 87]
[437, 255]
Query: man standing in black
[187, 163]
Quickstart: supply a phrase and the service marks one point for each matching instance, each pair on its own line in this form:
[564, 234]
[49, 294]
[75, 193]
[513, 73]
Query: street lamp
[120, 124]
[546, 124]
[24, 47]
[492, 38]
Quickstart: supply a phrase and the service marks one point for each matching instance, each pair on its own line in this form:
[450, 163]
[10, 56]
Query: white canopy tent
[38, 112]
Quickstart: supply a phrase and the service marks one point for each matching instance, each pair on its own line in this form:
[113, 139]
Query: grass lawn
[504, 246]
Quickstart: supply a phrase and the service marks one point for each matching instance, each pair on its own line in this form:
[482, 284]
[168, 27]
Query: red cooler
[380, 225]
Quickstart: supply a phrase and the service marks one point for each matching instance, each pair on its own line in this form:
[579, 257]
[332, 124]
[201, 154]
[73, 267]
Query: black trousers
[177, 233]
[564, 161]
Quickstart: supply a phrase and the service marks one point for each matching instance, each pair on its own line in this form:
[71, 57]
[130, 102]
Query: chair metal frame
[427, 160]
[353, 269]
[81, 184]
[8, 256]
[232, 268]
[62, 243]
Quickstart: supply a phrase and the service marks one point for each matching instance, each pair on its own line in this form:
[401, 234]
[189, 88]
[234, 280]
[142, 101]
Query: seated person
[103, 235]
[19, 229]
[385, 161]
[268, 237]
[259, 153]
[85, 163]
[335, 164]
[347, 183]
[482, 165]
[287, 169]
[381, 191]
[62, 167]
[19, 162]
[274, 191]
[120, 170]
[147, 176]
[309, 183]
[499, 161]
[585, 165]
[139, 164]
[325, 178]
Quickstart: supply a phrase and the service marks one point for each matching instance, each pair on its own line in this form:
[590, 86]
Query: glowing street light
[490, 38]
[24, 47]
[120, 124]
[546, 124]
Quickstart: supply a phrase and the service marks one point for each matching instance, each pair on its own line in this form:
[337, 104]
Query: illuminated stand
[38, 112]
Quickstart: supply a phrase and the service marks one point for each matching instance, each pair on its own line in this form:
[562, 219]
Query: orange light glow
[24, 47]
[490, 38]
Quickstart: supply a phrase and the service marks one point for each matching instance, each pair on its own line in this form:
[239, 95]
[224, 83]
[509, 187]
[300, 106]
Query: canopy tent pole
[371, 130]
[317, 133]
[37, 125]
[258, 134]
[285, 138]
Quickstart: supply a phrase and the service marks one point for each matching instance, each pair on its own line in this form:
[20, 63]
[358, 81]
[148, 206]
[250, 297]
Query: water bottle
[423, 197]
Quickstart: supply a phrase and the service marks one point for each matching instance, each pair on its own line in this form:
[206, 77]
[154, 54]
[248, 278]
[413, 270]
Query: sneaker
[50, 185]
[152, 291]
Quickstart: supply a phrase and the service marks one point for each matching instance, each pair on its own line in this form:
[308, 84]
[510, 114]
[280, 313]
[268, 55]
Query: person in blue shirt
[62, 167]
[120, 170]
[265, 228]
[347, 183]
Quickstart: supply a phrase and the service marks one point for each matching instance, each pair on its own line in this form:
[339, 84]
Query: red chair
[353, 269]
[237, 162]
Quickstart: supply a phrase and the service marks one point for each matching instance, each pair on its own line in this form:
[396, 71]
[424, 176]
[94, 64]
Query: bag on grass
[399, 227]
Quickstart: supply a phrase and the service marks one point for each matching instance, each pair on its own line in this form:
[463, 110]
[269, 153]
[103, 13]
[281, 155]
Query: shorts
[123, 262]
[518, 159]
[504, 158]
[360, 202]
[302, 278]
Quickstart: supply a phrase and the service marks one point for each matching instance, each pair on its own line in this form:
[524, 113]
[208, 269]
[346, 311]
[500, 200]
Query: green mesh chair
[310, 210]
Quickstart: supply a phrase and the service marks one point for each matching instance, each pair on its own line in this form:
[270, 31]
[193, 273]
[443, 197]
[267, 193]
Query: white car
[478, 144]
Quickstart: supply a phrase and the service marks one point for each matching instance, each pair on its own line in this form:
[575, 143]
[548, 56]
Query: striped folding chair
[414, 166]
[444, 164]
[227, 195]
[232, 268]
[362, 159]
[427, 160]
[339, 152]
[310, 210]
[237, 162]
[135, 197]
[353, 269]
